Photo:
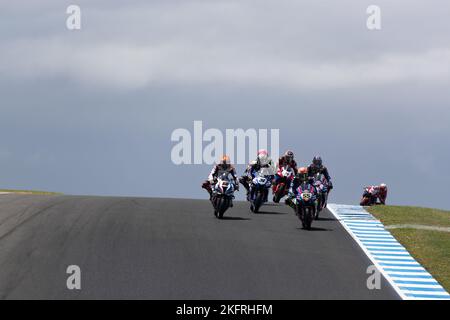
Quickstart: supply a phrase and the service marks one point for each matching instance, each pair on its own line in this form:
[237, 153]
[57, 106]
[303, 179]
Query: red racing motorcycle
[284, 177]
[369, 197]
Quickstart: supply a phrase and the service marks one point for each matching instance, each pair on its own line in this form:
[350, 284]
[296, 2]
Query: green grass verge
[430, 248]
[411, 215]
[30, 192]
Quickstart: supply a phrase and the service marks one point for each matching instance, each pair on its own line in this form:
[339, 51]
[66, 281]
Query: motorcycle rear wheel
[319, 207]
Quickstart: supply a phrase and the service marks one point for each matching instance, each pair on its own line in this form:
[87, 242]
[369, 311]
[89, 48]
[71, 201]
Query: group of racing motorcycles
[306, 188]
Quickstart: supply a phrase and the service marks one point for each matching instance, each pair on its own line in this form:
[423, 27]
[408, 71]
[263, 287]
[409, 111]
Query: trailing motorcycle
[369, 197]
[223, 194]
[279, 190]
[305, 204]
[259, 189]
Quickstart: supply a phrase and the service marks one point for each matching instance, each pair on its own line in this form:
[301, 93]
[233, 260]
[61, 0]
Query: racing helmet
[225, 160]
[303, 173]
[263, 157]
[289, 155]
[383, 187]
[317, 161]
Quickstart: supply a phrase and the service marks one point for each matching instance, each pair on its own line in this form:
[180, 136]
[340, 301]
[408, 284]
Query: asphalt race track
[148, 248]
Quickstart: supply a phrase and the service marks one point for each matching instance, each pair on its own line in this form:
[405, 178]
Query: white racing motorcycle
[223, 194]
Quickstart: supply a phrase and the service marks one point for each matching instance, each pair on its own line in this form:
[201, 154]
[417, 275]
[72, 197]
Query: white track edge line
[396, 287]
[368, 254]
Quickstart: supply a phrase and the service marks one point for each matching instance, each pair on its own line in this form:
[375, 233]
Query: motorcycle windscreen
[267, 171]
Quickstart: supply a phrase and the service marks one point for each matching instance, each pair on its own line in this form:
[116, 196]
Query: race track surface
[149, 248]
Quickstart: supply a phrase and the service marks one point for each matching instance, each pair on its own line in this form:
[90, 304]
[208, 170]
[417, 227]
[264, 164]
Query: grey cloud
[125, 66]
[273, 43]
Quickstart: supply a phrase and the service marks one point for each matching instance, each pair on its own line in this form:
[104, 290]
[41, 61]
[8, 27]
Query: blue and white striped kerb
[406, 275]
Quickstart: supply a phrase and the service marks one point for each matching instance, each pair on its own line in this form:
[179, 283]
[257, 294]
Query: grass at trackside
[430, 248]
[37, 192]
[411, 215]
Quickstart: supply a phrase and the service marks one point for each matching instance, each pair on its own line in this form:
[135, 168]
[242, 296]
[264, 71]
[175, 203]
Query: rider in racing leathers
[300, 178]
[317, 167]
[262, 161]
[375, 193]
[223, 166]
[286, 160]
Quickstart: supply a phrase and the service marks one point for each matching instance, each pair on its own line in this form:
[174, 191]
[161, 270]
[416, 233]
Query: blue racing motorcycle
[321, 185]
[259, 189]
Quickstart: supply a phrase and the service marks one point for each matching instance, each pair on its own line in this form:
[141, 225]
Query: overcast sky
[92, 111]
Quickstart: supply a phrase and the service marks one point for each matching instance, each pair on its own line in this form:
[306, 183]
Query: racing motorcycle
[279, 190]
[369, 197]
[305, 204]
[223, 194]
[321, 185]
[259, 189]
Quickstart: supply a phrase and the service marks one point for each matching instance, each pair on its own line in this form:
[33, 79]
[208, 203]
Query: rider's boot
[288, 201]
[206, 185]
[291, 204]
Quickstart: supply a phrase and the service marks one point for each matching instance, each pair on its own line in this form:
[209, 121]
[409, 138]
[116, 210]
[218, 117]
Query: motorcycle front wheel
[279, 194]
[365, 201]
[222, 205]
[308, 215]
[257, 203]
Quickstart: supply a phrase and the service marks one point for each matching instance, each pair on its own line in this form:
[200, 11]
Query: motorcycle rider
[317, 167]
[375, 193]
[224, 166]
[301, 178]
[263, 160]
[286, 160]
